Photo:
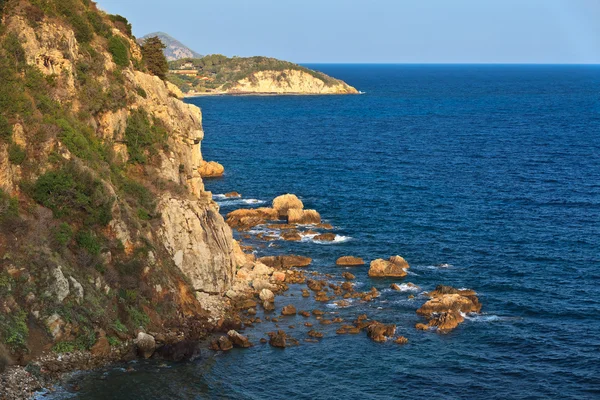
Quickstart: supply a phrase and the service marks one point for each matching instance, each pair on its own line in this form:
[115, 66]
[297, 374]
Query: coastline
[266, 94]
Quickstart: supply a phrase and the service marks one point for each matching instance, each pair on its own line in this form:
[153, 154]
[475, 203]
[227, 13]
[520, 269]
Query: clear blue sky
[371, 31]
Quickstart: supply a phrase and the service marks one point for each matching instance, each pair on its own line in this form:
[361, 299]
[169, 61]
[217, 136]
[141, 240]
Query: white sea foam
[481, 317]
[408, 288]
[233, 202]
[338, 239]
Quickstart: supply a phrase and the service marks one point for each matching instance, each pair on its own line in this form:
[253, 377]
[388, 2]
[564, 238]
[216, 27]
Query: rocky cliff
[288, 82]
[105, 226]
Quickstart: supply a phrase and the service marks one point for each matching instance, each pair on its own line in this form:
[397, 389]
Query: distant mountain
[175, 49]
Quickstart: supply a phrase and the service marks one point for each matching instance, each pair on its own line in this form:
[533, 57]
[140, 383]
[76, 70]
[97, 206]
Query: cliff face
[288, 82]
[105, 225]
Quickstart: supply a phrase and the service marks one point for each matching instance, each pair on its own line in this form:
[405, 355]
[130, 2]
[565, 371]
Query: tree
[154, 58]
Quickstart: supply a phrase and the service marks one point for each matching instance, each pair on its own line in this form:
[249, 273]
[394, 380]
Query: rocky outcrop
[395, 267]
[286, 261]
[303, 217]
[289, 82]
[445, 310]
[199, 242]
[286, 202]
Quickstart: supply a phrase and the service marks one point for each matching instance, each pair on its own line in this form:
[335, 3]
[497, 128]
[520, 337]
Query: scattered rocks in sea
[315, 334]
[305, 293]
[278, 339]
[350, 261]
[395, 267]
[238, 340]
[444, 311]
[318, 312]
[288, 310]
[291, 236]
[210, 169]
[285, 261]
[324, 226]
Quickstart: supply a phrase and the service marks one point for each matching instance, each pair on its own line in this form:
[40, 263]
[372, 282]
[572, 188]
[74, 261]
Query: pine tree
[154, 58]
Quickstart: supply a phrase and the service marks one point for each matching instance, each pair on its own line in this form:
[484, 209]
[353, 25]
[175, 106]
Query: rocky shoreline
[255, 286]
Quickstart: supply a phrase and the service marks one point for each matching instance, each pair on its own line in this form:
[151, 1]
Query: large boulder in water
[394, 267]
[278, 339]
[287, 202]
[379, 332]
[238, 340]
[447, 306]
[245, 218]
[303, 217]
[210, 169]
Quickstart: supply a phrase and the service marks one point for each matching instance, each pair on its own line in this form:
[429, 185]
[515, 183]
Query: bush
[63, 347]
[62, 234]
[138, 318]
[14, 330]
[121, 24]
[142, 137]
[9, 206]
[119, 51]
[16, 154]
[14, 49]
[74, 194]
[89, 241]
[5, 129]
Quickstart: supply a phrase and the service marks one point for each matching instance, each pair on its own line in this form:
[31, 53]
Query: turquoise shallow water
[493, 170]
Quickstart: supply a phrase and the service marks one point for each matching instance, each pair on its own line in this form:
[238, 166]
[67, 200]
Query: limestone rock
[325, 237]
[303, 217]
[278, 339]
[350, 261]
[267, 295]
[146, 345]
[199, 241]
[211, 169]
[379, 332]
[395, 267]
[288, 310]
[247, 218]
[286, 202]
[224, 343]
[60, 286]
[285, 261]
[238, 339]
[78, 289]
[446, 307]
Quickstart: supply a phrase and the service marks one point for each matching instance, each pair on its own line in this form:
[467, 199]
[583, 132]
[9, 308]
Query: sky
[377, 31]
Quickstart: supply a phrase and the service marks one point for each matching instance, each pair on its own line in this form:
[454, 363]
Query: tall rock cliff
[105, 225]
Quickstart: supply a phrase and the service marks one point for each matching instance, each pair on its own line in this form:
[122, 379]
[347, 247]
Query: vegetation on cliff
[220, 72]
[86, 155]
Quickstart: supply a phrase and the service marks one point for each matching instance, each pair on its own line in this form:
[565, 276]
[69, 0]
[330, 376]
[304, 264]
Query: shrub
[141, 92]
[75, 194]
[14, 49]
[119, 51]
[5, 129]
[142, 137]
[63, 347]
[119, 327]
[9, 206]
[122, 24]
[16, 154]
[95, 19]
[138, 317]
[14, 330]
[62, 234]
[89, 241]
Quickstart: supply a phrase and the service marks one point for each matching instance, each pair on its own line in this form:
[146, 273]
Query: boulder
[278, 276]
[225, 344]
[444, 311]
[379, 332]
[325, 237]
[286, 202]
[305, 314]
[350, 261]
[291, 236]
[315, 334]
[348, 276]
[245, 218]
[145, 344]
[268, 306]
[233, 195]
[285, 261]
[288, 310]
[401, 340]
[210, 169]
[238, 340]
[303, 217]
[394, 267]
[347, 329]
[278, 339]
[267, 295]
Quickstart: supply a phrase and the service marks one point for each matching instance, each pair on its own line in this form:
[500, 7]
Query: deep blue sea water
[494, 170]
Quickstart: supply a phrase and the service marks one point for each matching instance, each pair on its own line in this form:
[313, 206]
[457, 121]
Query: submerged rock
[350, 261]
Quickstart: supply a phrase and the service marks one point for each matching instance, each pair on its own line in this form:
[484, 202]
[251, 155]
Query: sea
[481, 176]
